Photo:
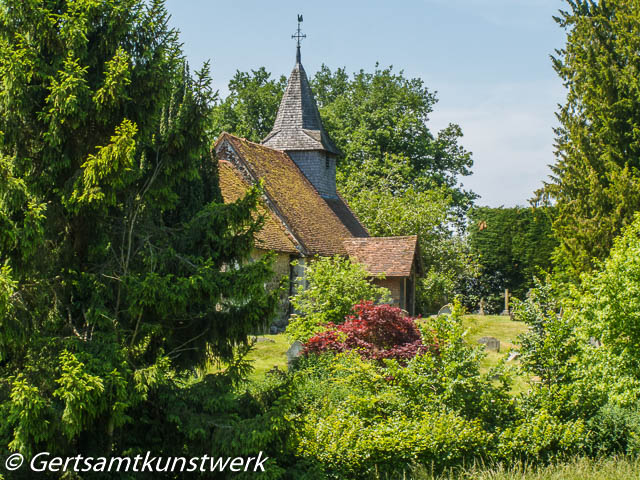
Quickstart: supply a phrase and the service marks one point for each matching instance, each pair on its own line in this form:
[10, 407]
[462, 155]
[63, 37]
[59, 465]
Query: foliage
[512, 246]
[595, 181]
[549, 348]
[120, 267]
[543, 437]
[382, 114]
[609, 299]
[360, 418]
[218, 415]
[388, 206]
[333, 286]
[375, 332]
[615, 429]
[398, 177]
[249, 111]
[586, 357]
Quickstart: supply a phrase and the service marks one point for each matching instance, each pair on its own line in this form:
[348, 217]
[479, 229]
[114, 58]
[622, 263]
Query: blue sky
[487, 59]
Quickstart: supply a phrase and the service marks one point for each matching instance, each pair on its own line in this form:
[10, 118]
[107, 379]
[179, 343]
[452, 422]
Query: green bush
[550, 346]
[355, 447]
[359, 419]
[333, 286]
[541, 437]
[608, 302]
[615, 430]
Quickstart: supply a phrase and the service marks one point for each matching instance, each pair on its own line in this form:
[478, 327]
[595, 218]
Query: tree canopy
[595, 181]
[119, 265]
[512, 246]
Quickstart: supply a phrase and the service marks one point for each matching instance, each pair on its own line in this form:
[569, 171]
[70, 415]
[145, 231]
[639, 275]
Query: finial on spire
[298, 36]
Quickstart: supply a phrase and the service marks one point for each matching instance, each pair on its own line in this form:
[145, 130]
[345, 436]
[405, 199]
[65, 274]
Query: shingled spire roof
[298, 125]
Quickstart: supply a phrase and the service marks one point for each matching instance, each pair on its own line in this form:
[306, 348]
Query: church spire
[298, 130]
[298, 125]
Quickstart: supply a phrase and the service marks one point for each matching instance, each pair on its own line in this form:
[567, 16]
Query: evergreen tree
[595, 183]
[512, 245]
[119, 265]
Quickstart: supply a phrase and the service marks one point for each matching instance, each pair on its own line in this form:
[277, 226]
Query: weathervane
[298, 36]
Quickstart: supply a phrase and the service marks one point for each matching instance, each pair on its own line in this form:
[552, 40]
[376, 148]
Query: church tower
[299, 132]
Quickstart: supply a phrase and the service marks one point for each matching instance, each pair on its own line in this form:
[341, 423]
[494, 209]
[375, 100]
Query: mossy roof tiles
[294, 200]
[346, 216]
[273, 235]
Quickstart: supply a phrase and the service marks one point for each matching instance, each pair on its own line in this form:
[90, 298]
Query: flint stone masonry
[320, 169]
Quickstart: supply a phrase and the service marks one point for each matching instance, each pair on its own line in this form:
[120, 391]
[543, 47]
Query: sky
[488, 60]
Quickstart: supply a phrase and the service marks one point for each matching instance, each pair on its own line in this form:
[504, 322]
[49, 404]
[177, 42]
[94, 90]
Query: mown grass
[612, 468]
[269, 351]
[505, 330]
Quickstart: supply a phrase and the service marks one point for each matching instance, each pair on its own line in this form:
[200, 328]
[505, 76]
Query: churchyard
[153, 222]
[271, 350]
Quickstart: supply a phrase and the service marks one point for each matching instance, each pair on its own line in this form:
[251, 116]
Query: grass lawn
[505, 330]
[270, 350]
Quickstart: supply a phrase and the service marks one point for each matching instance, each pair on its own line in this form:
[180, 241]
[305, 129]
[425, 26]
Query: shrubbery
[359, 418]
[333, 286]
[375, 332]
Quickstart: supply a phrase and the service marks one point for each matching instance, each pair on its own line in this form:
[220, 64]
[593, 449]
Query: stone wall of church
[319, 168]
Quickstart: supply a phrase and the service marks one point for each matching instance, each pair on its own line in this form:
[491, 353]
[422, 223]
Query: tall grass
[612, 468]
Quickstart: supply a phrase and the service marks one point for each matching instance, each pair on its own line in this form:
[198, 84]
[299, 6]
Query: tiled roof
[346, 215]
[391, 256]
[298, 125]
[307, 216]
[273, 235]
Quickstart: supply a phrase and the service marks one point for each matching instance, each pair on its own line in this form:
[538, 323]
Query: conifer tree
[120, 267]
[596, 181]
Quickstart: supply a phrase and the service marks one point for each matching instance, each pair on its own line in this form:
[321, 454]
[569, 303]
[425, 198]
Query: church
[304, 214]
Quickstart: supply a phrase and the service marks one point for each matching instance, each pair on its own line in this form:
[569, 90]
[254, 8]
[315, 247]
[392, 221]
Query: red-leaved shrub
[375, 332]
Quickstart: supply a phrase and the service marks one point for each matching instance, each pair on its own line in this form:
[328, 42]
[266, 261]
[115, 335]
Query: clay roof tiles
[390, 256]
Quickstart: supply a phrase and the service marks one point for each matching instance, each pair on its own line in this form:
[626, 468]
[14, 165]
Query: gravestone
[595, 342]
[480, 310]
[490, 343]
[295, 350]
[445, 310]
[513, 355]
[265, 339]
